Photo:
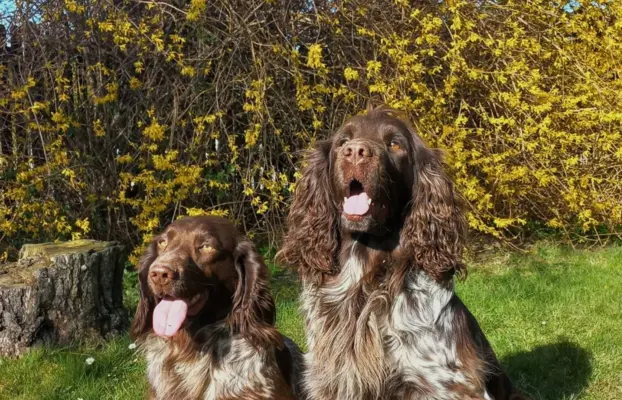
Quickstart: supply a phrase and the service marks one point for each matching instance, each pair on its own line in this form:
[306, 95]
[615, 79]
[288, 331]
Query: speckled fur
[382, 318]
[400, 350]
[226, 367]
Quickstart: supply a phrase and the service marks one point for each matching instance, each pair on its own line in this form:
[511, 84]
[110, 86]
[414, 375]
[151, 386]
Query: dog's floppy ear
[434, 230]
[147, 302]
[253, 313]
[312, 239]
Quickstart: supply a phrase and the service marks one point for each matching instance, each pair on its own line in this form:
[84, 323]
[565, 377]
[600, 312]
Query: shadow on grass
[556, 371]
[284, 285]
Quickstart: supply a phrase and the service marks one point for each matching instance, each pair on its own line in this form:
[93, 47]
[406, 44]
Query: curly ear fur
[146, 304]
[434, 229]
[253, 313]
[312, 239]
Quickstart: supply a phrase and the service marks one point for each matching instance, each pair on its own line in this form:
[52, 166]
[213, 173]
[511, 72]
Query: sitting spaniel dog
[377, 233]
[205, 320]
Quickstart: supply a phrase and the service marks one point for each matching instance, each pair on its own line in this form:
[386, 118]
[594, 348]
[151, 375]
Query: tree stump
[61, 293]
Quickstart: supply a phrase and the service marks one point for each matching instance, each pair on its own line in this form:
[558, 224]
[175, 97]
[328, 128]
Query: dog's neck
[214, 314]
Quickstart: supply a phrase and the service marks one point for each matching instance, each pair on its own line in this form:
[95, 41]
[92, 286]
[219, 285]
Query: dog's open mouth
[170, 313]
[357, 202]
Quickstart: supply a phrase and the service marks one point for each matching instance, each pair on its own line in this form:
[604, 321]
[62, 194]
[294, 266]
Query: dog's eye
[206, 248]
[162, 244]
[395, 146]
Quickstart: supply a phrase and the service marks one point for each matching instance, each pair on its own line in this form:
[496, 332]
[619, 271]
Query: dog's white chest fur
[420, 340]
[410, 338]
[227, 369]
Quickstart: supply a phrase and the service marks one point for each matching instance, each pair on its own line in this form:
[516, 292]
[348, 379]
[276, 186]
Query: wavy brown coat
[382, 318]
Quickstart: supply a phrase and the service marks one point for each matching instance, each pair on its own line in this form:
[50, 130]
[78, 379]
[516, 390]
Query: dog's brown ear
[434, 230]
[142, 319]
[253, 313]
[312, 238]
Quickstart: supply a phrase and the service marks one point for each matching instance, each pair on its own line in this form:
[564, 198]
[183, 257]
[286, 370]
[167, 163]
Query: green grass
[553, 316]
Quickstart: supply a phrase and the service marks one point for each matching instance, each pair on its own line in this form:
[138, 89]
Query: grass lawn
[554, 317]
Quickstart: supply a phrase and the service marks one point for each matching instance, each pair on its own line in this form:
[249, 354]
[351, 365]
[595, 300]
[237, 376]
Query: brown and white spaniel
[205, 320]
[377, 233]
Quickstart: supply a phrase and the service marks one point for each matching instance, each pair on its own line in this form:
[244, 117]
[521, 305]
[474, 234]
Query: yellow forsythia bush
[117, 117]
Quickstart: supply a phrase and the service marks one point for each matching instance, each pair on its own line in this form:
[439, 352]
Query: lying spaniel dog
[205, 320]
[377, 234]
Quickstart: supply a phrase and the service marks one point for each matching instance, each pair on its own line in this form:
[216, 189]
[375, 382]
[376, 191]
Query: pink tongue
[168, 317]
[357, 204]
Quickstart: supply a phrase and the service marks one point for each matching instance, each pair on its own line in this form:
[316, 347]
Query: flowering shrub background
[118, 116]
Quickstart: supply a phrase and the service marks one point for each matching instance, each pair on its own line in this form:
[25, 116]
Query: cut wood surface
[61, 293]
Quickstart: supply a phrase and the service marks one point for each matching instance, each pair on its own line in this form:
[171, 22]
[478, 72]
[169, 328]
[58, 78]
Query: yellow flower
[135, 83]
[350, 74]
[314, 57]
[154, 131]
[195, 9]
[98, 129]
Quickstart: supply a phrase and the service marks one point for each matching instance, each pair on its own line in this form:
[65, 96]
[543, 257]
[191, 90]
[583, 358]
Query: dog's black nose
[356, 151]
[162, 275]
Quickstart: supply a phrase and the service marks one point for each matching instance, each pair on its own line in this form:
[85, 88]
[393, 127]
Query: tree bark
[62, 293]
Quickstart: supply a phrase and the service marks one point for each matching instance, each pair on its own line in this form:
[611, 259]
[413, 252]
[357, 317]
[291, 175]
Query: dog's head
[201, 270]
[375, 177]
